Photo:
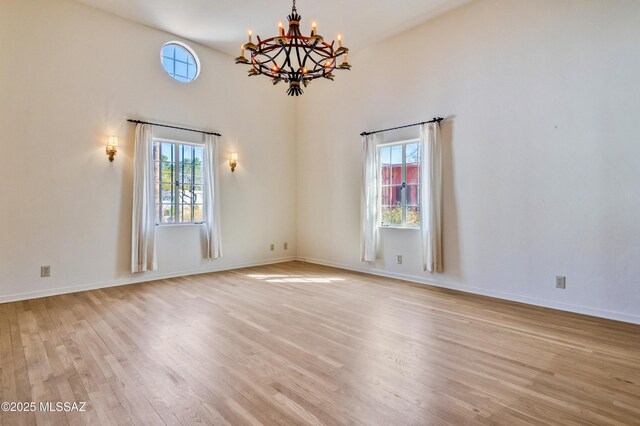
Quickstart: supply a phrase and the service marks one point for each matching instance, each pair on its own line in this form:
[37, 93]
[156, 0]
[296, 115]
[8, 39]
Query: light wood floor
[296, 343]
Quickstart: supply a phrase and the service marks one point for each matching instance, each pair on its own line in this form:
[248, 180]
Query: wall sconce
[112, 147]
[233, 160]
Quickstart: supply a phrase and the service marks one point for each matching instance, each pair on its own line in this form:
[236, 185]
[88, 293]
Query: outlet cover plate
[45, 271]
[561, 282]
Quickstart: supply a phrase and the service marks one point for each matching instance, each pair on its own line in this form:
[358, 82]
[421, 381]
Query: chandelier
[293, 58]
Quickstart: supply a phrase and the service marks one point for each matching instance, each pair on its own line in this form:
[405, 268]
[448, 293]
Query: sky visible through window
[179, 63]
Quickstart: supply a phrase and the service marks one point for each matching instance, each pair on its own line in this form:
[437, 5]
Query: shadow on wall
[451, 238]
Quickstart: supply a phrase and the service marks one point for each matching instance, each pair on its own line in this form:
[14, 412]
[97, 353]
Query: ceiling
[222, 24]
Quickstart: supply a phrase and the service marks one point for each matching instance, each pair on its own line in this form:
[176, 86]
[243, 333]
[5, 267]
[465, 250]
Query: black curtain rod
[174, 127]
[435, 120]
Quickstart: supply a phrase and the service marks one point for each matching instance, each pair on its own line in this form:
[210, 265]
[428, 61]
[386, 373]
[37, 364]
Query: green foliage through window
[179, 182]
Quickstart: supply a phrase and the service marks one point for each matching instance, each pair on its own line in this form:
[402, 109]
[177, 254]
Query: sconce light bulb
[233, 161]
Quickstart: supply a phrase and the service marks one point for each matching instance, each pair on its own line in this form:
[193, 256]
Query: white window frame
[190, 51]
[404, 144]
[175, 144]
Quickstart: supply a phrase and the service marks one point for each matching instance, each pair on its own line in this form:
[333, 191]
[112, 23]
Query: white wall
[542, 151]
[70, 76]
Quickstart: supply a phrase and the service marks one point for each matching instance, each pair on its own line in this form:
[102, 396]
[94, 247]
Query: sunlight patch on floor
[274, 278]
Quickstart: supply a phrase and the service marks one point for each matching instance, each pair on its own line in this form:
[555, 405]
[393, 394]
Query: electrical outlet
[272, 247]
[399, 259]
[561, 282]
[286, 246]
[45, 271]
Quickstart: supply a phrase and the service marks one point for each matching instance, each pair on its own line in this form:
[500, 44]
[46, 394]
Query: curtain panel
[369, 200]
[213, 248]
[143, 227]
[431, 197]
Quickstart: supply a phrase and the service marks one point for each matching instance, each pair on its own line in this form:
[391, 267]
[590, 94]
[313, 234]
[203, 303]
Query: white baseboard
[585, 310]
[618, 316]
[140, 278]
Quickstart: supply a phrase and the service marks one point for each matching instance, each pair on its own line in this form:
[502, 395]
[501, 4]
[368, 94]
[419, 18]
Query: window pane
[181, 54]
[385, 155]
[198, 160]
[186, 170]
[413, 215]
[400, 184]
[391, 215]
[385, 196]
[197, 214]
[179, 62]
[396, 175]
[413, 195]
[185, 213]
[167, 193]
[191, 72]
[166, 152]
[397, 195]
[167, 172]
[413, 173]
[396, 154]
[413, 153]
[168, 50]
[167, 214]
[184, 194]
[156, 151]
[176, 193]
[197, 194]
[385, 175]
[198, 155]
[185, 153]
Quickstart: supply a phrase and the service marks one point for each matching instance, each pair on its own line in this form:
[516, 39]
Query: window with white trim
[178, 170]
[399, 175]
[180, 61]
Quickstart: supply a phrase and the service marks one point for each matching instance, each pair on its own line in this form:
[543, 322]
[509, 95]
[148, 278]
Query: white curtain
[143, 229]
[369, 200]
[213, 249]
[431, 197]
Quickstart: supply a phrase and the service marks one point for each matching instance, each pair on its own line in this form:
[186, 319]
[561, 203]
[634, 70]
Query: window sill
[172, 225]
[417, 228]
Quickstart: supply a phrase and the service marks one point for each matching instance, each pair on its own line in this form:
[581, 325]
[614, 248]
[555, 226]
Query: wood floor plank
[297, 343]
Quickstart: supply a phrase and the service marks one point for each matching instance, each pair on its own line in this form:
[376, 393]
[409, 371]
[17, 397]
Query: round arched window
[180, 61]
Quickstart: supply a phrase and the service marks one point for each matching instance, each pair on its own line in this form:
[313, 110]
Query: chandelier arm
[306, 56]
[288, 55]
[321, 66]
[300, 65]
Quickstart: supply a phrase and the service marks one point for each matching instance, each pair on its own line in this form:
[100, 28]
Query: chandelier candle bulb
[314, 28]
[340, 40]
[250, 33]
[281, 29]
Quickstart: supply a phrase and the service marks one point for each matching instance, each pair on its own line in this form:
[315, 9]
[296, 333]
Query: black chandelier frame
[294, 58]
